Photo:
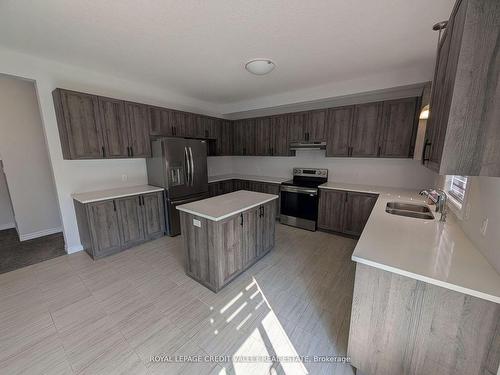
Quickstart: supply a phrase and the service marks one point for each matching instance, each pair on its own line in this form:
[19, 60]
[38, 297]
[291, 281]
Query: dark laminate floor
[15, 254]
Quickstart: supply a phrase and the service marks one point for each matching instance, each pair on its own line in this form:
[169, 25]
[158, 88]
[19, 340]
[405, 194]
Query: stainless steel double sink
[418, 211]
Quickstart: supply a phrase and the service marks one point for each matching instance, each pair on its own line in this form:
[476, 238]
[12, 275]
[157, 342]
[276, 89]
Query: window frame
[459, 208]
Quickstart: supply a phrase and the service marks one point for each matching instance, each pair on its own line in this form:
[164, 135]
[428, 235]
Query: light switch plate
[197, 223]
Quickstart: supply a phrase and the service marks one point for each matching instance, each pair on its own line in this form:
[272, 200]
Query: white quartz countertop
[226, 205]
[102, 195]
[224, 177]
[427, 250]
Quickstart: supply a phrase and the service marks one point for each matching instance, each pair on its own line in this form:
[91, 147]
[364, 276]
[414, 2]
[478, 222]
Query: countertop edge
[227, 215]
[247, 178]
[115, 196]
[429, 280]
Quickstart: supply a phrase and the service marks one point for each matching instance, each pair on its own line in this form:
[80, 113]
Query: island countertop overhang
[226, 205]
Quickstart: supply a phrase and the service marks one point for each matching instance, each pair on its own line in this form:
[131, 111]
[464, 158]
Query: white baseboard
[41, 233]
[74, 249]
[7, 226]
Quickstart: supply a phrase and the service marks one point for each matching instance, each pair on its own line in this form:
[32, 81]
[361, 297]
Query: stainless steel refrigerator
[180, 166]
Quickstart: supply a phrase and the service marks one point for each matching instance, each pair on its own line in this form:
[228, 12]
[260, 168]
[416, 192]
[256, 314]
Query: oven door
[299, 207]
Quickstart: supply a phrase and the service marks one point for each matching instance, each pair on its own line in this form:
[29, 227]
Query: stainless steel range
[299, 197]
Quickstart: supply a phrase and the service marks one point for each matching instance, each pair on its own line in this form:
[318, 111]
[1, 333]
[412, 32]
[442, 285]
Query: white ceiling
[199, 48]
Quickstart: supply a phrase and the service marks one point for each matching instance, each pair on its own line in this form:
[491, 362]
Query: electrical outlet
[484, 226]
[124, 177]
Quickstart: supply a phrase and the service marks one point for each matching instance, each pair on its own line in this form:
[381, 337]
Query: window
[457, 188]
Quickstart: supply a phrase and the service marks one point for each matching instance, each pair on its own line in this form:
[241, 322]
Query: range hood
[308, 146]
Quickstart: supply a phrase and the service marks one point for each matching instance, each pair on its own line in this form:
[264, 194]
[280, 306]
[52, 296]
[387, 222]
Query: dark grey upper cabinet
[206, 127]
[115, 127]
[296, 123]
[365, 130]
[338, 128]
[314, 126]
[131, 220]
[224, 138]
[161, 123]
[357, 209]
[139, 129]
[79, 124]
[244, 137]
[331, 210]
[463, 135]
[280, 135]
[400, 120]
[263, 137]
[104, 228]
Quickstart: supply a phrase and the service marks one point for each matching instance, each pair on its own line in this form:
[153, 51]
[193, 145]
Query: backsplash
[404, 173]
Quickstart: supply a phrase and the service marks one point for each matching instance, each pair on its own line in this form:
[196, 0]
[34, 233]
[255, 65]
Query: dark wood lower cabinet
[218, 251]
[331, 210]
[344, 211]
[131, 220]
[109, 226]
[400, 325]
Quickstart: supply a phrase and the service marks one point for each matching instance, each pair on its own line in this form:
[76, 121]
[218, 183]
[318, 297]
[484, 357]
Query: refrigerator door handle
[192, 165]
[188, 166]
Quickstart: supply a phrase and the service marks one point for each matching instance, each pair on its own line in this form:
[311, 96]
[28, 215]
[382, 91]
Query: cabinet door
[263, 136]
[213, 189]
[104, 227]
[331, 209]
[338, 128]
[114, 127]
[238, 137]
[399, 128]
[249, 235]
[244, 137]
[280, 135]
[206, 127]
[161, 122]
[364, 139]
[154, 218]
[296, 126]
[358, 208]
[231, 260]
[131, 220]
[82, 125]
[315, 126]
[138, 120]
[266, 226]
[224, 138]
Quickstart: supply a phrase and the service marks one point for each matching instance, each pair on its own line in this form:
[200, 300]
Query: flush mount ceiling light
[260, 66]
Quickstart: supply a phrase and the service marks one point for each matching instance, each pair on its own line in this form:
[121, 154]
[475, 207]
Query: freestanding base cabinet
[218, 251]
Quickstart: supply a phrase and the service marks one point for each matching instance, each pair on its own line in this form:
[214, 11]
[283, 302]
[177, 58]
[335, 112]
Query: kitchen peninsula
[226, 234]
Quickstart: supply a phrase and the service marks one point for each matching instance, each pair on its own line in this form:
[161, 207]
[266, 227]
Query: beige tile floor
[73, 315]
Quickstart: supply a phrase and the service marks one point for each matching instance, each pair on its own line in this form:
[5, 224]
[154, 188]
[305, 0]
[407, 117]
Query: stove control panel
[310, 172]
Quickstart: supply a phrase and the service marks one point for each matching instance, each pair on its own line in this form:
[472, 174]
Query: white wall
[484, 202]
[75, 176]
[405, 173]
[6, 214]
[25, 160]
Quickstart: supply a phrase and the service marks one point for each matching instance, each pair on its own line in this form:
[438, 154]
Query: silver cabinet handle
[188, 165]
[297, 190]
[192, 165]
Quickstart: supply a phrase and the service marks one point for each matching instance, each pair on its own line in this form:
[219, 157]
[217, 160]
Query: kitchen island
[226, 234]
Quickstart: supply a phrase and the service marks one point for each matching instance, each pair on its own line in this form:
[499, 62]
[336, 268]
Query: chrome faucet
[440, 201]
